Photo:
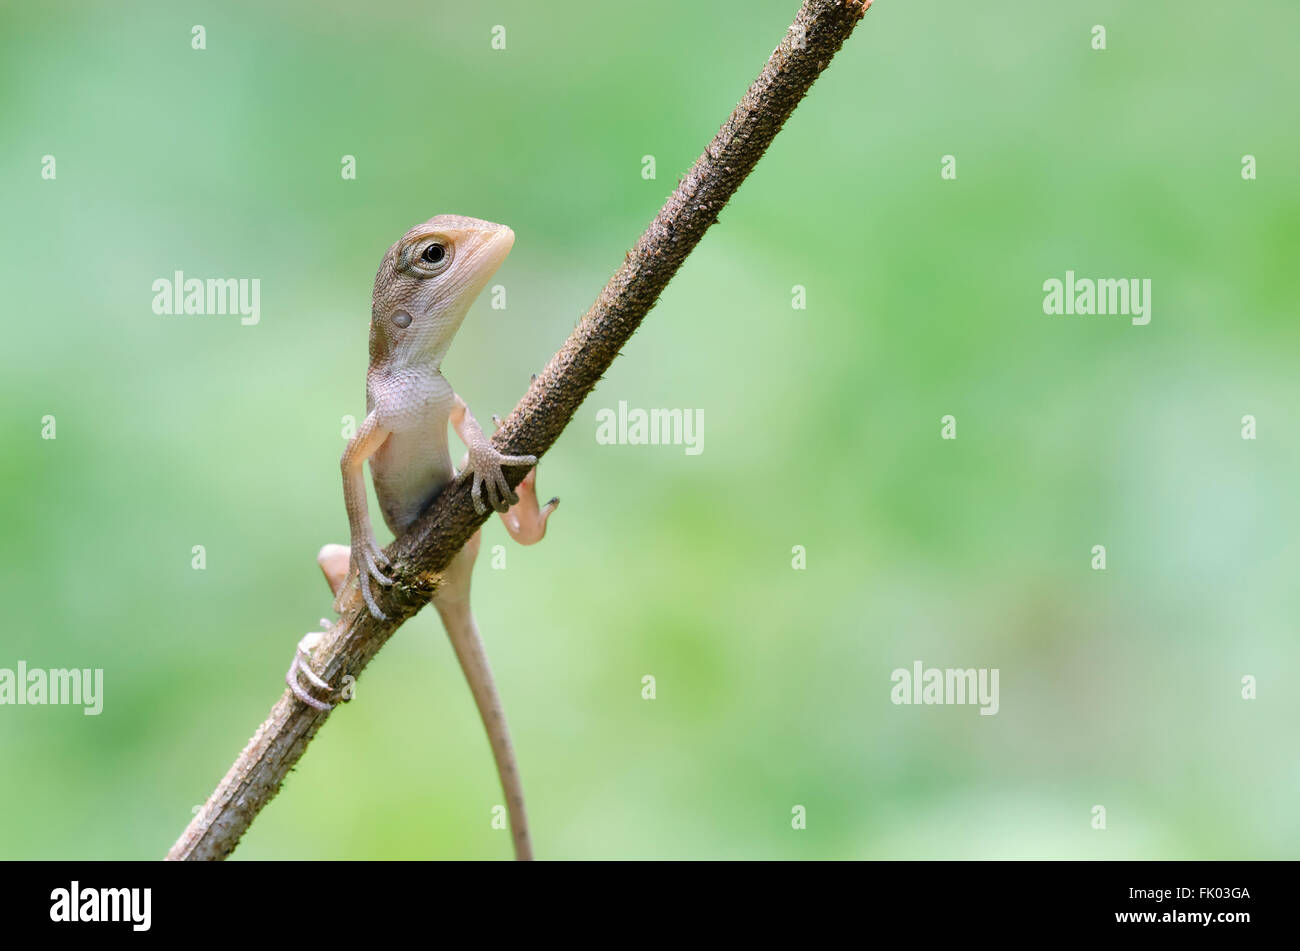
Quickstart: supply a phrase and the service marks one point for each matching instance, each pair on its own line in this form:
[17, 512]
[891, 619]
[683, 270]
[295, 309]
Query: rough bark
[817, 33]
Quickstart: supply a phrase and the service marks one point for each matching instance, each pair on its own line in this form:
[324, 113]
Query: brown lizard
[425, 286]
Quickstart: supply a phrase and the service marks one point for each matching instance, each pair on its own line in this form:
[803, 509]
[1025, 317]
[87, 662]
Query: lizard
[423, 290]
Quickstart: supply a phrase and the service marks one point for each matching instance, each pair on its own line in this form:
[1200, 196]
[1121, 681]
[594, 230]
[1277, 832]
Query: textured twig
[819, 30]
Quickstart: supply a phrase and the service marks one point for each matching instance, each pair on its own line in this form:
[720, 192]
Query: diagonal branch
[819, 30]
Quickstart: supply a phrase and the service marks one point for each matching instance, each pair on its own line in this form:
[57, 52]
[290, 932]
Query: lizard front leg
[366, 556]
[526, 520]
[485, 462]
[362, 560]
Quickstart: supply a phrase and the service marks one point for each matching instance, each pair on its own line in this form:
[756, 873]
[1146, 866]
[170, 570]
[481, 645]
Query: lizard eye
[425, 260]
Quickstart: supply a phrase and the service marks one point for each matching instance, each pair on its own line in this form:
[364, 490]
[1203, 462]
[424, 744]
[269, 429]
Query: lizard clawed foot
[484, 464]
[365, 563]
[302, 664]
[525, 521]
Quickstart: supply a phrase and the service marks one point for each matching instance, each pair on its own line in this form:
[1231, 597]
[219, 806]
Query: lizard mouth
[500, 241]
[492, 247]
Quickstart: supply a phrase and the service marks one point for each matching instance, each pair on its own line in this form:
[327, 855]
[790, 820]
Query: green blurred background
[924, 298]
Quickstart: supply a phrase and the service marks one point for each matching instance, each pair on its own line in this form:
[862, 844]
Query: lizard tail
[452, 602]
[465, 640]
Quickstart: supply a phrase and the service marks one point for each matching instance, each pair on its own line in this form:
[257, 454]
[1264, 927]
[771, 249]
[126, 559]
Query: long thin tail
[453, 607]
[465, 640]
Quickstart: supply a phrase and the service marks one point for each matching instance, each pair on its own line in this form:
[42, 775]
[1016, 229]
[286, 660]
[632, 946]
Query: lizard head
[426, 284]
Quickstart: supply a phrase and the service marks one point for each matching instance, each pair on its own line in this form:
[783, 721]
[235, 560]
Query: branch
[819, 30]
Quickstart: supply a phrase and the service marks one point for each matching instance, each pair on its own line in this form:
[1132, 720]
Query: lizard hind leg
[525, 520]
[302, 664]
[333, 561]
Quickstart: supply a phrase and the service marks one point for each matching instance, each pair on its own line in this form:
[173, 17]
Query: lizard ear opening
[402, 319]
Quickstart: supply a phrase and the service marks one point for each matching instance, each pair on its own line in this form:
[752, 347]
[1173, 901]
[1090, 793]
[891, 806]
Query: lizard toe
[301, 664]
[372, 564]
[371, 604]
[476, 494]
